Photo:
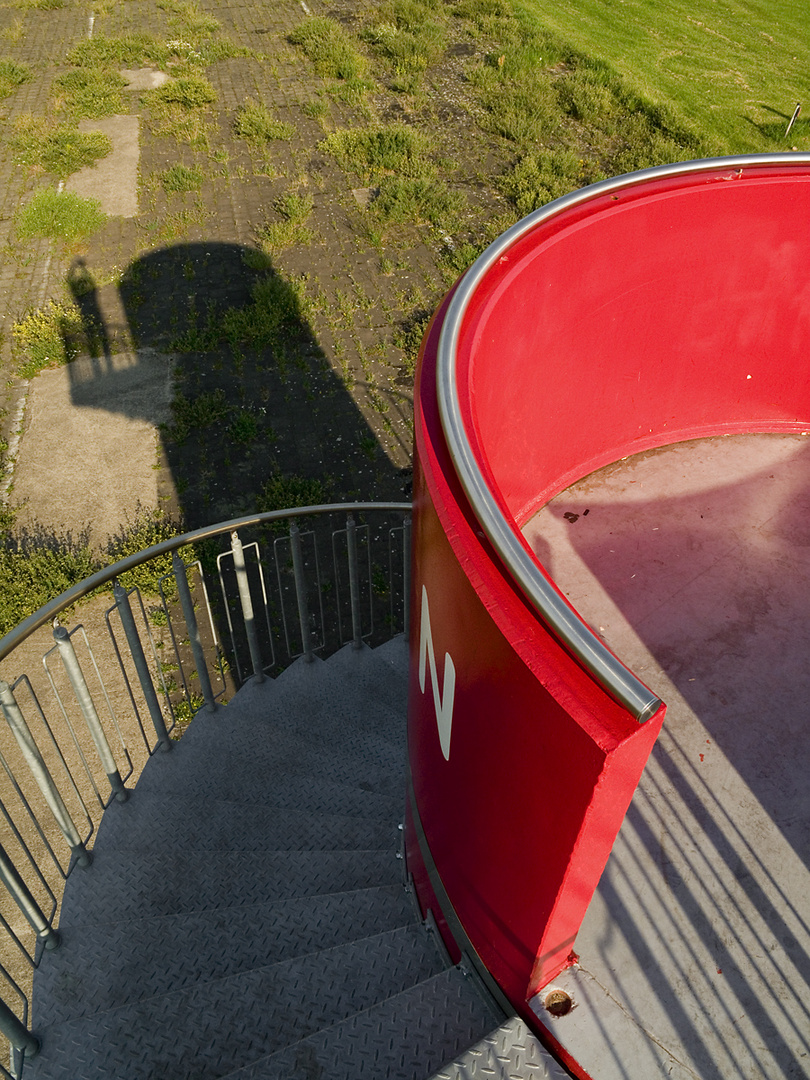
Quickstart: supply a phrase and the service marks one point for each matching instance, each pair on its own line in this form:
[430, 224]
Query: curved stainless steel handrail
[553, 608]
[76, 592]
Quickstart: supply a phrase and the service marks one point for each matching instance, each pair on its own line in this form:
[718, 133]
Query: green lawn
[733, 69]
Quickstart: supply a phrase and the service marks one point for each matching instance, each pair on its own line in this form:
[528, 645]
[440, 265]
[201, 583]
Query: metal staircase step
[182, 823]
[406, 1037]
[209, 1029]
[143, 885]
[509, 1052]
[106, 965]
[261, 757]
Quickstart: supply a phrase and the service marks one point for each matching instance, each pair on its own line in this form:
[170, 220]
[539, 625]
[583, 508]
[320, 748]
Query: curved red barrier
[647, 310]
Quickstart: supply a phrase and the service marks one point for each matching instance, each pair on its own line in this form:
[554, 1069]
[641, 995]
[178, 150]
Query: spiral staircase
[247, 914]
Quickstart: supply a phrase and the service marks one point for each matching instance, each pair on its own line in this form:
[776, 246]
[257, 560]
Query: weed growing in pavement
[188, 18]
[286, 490]
[59, 215]
[371, 153]
[12, 75]
[59, 149]
[37, 564]
[129, 50]
[413, 199]
[409, 34]
[332, 50]
[180, 179]
[88, 93]
[189, 91]
[176, 109]
[197, 414]
[46, 338]
[257, 126]
[39, 5]
[294, 211]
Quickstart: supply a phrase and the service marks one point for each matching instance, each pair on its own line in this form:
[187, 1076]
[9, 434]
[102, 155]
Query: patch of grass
[39, 5]
[189, 19]
[12, 75]
[331, 49]
[45, 338]
[285, 490]
[37, 564]
[148, 527]
[409, 34]
[417, 200]
[393, 148]
[59, 215]
[177, 109]
[724, 69]
[180, 179]
[127, 51]
[256, 125]
[88, 93]
[294, 210]
[197, 414]
[408, 338]
[544, 175]
[59, 149]
[244, 428]
[188, 91]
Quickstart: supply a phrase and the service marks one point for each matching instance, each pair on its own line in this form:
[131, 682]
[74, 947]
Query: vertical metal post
[301, 592]
[85, 700]
[187, 604]
[141, 666]
[16, 1032]
[406, 574]
[24, 899]
[41, 773]
[354, 584]
[246, 601]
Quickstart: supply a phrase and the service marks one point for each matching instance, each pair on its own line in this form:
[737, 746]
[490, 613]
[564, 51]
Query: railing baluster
[354, 583]
[24, 899]
[187, 604]
[247, 605]
[16, 1032]
[85, 700]
[141, 666]
[41, 773]
[301, 592]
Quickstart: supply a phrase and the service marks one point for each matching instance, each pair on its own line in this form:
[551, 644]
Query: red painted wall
[667, 311]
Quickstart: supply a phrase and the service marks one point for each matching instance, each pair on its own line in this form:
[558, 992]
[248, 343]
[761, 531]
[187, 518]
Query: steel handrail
[89, 584]
[553, 608]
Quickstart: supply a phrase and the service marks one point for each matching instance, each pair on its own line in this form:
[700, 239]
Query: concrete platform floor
[693, 563]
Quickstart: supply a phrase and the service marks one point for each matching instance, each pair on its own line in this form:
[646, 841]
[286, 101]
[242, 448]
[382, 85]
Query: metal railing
[187, 626]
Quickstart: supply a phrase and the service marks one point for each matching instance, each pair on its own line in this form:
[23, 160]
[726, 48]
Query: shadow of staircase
[246, 913]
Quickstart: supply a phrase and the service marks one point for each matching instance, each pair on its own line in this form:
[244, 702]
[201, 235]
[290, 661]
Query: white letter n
[443, 703]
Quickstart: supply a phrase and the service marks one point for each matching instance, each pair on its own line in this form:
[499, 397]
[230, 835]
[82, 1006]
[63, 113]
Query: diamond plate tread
[105, 966]
[375, 676]
[248, 756]
[359, 797]
[177, 823]
[512, 1052]
[209, 1029]
[143, 885]
[406, 1037]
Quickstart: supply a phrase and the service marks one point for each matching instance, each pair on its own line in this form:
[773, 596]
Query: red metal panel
[668, 310]
[542, 763]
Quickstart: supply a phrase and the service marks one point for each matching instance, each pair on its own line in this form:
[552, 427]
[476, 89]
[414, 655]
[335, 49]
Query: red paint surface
[627, 322]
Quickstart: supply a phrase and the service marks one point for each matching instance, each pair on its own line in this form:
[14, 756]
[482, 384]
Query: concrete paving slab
[114, 179]
[143, 78]
[693, 562]
[89, 451]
